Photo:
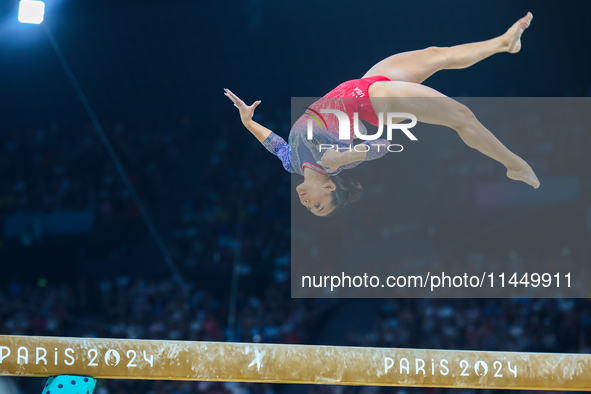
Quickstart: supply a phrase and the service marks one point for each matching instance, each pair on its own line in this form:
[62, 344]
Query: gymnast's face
[315, 195]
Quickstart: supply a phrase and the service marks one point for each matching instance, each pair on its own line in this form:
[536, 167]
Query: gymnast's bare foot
[525, 174]
[512, 37]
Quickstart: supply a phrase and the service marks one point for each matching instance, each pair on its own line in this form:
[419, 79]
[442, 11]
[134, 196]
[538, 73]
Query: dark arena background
[134, 204]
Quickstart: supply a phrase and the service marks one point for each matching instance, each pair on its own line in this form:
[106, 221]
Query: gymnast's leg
[430, 106]
[416, 66]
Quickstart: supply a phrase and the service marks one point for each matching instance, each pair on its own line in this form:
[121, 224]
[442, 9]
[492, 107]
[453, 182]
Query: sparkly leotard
[349, 97]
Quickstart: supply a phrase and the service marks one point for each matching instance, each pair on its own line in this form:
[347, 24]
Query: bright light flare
[31, 11]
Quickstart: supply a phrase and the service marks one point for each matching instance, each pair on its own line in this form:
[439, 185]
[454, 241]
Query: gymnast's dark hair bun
[346, 192]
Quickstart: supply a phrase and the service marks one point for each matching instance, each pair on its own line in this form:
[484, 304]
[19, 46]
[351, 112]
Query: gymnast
[392, 85]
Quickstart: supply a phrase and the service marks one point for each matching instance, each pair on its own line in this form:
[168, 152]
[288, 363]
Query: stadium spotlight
[30, 11]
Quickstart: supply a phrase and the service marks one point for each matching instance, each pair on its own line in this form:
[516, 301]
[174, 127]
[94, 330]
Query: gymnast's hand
[332, 160]
[246, 111]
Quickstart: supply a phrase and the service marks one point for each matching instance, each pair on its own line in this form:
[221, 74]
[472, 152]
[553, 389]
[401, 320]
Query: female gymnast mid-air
[392, 85]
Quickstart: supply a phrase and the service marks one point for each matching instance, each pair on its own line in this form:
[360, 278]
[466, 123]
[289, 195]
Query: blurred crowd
[525, 325]
[49, 169]
[135, 308]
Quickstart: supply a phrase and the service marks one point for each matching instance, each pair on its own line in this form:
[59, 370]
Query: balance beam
[269, 363]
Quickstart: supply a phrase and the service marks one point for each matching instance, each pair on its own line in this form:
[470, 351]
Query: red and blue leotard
[349, 97]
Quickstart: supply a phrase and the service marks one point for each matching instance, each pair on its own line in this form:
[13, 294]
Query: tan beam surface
[246, 362]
